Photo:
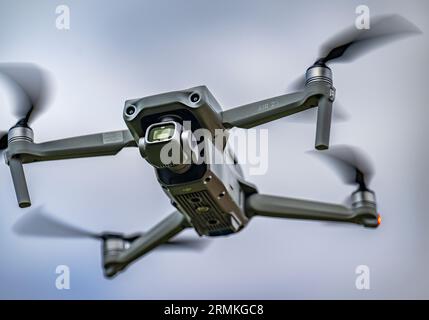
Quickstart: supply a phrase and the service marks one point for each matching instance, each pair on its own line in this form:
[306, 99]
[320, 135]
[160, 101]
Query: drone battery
[213, 204]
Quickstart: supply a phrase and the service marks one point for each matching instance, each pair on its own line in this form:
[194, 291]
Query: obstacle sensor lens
[130, 110]
[195, 97]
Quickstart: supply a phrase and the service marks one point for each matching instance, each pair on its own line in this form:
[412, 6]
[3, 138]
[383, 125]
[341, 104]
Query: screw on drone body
[221, 195]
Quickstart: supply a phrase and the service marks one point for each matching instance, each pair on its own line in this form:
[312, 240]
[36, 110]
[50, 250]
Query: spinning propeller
[352, 164]
[39, 223]
[351, 44]
[30, 88]
[355, 168]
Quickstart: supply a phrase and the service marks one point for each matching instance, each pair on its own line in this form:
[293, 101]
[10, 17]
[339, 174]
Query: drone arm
[323, 127]
[23, 151]
[317, 94]
[93, 145]
[19, 182]
[280, 207]
[257, 113]
[159, 234]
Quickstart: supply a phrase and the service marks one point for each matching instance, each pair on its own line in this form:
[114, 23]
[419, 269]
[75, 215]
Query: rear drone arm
[318, 92]
[22, 149]
[115, 261]
[363, 210]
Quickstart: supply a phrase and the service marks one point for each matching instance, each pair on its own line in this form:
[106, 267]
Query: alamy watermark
[62, 21]
[62, 281]
[363, 279]
[362, 21]
[219, 147]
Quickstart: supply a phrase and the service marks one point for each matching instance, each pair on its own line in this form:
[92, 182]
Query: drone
[215, 200]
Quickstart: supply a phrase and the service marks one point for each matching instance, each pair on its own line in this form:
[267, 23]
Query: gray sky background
[243, 51]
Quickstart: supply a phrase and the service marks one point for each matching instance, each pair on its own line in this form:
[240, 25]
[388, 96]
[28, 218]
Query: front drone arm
[22, 149]
[93, 145]
[159, 234]
[318, 92]
[363, 212]
[257, 113]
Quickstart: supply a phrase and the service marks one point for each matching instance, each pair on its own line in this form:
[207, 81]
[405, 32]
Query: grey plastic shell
[206, 110]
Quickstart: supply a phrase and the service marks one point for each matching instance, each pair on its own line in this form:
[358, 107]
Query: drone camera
[158, 137]
[167, 145]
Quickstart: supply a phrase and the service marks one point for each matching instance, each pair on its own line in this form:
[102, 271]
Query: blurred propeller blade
[38, 223]
[352, 164]
[339, 114]
[31, 87]
[3, 140]
[179, 242]
[297, 85]
[352, 43]
[196, 244]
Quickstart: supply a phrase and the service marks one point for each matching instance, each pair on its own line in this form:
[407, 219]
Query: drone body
[210, 195]
[212, 198]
